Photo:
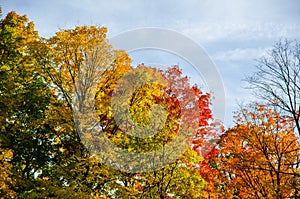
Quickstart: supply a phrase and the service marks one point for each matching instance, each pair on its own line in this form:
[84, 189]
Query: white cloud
[239, 54]
[208, 32]
[206, 20]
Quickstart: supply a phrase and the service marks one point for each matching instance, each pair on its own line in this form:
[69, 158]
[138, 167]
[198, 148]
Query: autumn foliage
[49, 86]
[258, 158]
[43, 153]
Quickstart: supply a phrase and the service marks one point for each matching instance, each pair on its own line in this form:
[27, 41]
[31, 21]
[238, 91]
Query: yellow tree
[86, 72]
[72, 62]
[5, 174]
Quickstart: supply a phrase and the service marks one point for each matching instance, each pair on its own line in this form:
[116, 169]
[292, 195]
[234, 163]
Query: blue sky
[233, 33]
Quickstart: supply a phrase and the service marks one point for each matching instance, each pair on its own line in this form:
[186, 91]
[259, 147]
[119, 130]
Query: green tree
[24, 98]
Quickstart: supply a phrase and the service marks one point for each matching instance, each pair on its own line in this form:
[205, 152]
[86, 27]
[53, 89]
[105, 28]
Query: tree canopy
[43, 152]
[78, 120]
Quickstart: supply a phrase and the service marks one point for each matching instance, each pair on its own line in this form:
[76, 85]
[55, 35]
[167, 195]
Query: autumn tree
[81, 59]
[181, 178]
[5, 174]
[30, 138]
[277, 78]
[259, 156]
[61, 59]
[44, 152]
[25, 137]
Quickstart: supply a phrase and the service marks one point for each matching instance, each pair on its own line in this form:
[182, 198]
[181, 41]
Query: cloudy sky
[232, 32]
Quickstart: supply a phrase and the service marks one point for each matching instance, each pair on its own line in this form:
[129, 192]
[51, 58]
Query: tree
[24, 98]
[259, 157]
[69, 54]
[79, 58]
[164, 180]
[177, 180]
[5, 174]
[180, 179]
[42, 150]
[277, 79]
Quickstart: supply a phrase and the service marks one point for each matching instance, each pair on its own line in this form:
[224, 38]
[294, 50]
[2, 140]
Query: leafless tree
[277, 79]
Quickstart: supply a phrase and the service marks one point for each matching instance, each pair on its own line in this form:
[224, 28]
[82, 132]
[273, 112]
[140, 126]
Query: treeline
[48, 150]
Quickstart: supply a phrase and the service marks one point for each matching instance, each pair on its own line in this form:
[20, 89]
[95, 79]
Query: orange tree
[259, 156]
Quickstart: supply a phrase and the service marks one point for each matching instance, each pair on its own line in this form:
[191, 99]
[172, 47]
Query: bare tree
[277, 79]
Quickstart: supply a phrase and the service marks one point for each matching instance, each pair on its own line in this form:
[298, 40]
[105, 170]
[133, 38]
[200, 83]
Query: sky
[233, 33]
